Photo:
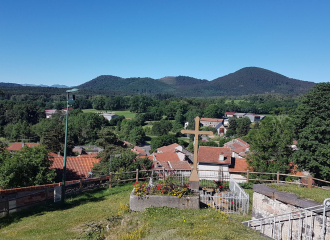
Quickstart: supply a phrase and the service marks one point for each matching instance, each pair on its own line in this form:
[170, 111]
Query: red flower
[163, 191]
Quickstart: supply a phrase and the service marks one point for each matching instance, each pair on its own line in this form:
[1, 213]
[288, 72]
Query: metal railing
[309, 223]
[236, 200]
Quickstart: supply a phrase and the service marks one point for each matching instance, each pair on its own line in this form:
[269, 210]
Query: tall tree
[27, 167]
[270, 145]
[312, 127]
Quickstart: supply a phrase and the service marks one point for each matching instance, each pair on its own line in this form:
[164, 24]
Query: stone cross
[194, 179]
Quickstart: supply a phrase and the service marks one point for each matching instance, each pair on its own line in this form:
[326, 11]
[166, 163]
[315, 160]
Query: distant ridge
[248, 80]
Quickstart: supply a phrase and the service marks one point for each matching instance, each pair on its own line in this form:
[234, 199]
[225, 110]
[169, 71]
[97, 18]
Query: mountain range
[249, 80]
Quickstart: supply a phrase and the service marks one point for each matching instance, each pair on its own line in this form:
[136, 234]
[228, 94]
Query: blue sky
[71, 42]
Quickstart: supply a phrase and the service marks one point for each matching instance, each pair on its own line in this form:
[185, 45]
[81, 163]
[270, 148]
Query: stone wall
[268, 202]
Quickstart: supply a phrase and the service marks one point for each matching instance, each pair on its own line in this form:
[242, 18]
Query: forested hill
[249, 80]
[129, 85]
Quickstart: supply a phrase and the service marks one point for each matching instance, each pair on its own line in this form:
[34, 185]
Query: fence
[234, 201]
[309, 223]
[207, 178]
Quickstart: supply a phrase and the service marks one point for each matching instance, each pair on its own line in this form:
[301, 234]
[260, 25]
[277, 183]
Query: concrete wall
[268, 202]
[139, 204]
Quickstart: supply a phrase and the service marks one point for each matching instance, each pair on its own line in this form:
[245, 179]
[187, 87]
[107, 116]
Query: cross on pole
[194, 179]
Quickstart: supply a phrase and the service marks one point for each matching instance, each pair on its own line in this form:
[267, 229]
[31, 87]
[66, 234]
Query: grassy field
[316, 194]
[88, 215]
[126, 113]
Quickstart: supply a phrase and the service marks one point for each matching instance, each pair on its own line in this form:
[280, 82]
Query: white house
[109, 116]
[213, 159]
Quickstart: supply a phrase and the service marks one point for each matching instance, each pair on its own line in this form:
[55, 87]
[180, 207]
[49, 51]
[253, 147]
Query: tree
[162, 127]
[243, 126]
[27, 167]
[270, 145]
[213, 111]
[233, 124]
[136, 136]
[312, 128]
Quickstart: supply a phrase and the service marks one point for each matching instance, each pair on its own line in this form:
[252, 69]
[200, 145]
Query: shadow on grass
[71, 201]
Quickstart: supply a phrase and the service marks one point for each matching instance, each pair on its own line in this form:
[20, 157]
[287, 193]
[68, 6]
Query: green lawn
[126, 113]
[87, 213]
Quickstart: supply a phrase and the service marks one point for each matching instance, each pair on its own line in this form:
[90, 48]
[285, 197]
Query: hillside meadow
[89, 215]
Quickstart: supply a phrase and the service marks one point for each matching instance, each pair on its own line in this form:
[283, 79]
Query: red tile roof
[16, 146]
[211, 154]
[76, 167]
[149, 157]
[182, 165]
[230, 113]
[240, 140]
[240, 165]
[169, 148]
[212, 119]
[167, 156]
[172, 165]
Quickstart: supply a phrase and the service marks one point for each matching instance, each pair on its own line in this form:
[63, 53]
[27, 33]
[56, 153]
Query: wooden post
[247, 176]
[219, 174]
[137, 175]
[46, 195]
[163, 174]
[80, 185]
[309, 182]
[110, 179]
[278, 177]
[7, 207]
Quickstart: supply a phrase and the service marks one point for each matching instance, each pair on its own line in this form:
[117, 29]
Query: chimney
[59, 154]
[22, 144]
[221, 157]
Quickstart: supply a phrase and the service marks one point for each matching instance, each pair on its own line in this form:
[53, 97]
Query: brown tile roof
[16, 146]
[167, 156]
[76, 167]
[240, 165]
[212, 119]
[211, 154]
[169, 148]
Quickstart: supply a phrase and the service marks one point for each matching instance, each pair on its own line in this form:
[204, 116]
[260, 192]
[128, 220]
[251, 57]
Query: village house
[172, 157]
[16, 146]
[210, 122]
[211, 160]
[109, 115]
[221, 129]
[238, 147]
[50, 112]
[79, 167]
[139, 151]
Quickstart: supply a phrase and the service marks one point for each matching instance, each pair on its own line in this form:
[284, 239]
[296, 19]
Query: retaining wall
[268, 202]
